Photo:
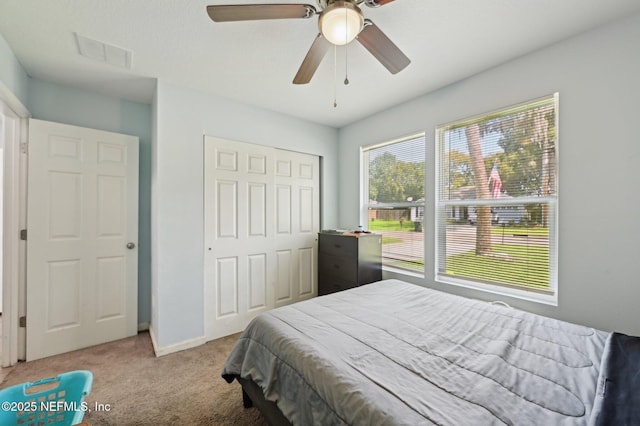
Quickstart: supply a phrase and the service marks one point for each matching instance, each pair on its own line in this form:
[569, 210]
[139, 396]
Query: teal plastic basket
[53, 401]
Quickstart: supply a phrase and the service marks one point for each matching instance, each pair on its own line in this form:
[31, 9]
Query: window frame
[550, 296]
[365, 205]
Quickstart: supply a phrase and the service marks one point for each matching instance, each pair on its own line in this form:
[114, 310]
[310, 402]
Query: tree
[391, 180]
[460, 173]
[528, 140]
[483, 228]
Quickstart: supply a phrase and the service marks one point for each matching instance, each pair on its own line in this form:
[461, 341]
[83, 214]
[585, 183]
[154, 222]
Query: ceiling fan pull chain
[346, 64]
[346, 50]
[335, 76]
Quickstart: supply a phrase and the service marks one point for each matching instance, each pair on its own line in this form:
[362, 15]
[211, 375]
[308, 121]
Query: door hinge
[23, 234]
[22, 322]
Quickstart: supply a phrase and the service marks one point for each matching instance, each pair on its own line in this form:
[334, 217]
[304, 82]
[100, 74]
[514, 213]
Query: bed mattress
[394, 353]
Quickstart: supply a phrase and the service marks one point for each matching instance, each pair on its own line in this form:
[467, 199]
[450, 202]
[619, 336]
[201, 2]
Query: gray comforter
[394, 353]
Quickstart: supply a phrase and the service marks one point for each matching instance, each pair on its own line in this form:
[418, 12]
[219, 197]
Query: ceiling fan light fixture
[341, 22]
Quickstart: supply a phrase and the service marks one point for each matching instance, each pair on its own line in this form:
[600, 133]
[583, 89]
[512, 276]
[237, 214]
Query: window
[393, 177]
[497, 201]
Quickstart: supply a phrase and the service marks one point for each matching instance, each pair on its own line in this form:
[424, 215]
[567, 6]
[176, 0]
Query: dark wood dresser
[348, 260]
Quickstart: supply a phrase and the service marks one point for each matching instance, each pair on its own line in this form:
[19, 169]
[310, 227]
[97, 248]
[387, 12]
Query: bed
[391, 353]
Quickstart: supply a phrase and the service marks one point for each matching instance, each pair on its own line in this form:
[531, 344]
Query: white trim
[364, 186]
[523, 106]
[501, 201]
[22, 245]
[531, 296]
[13, 102]
[143, 326]
[152, 334]
[402, 272]
[417, 135]
[12, 248]
[176, 347]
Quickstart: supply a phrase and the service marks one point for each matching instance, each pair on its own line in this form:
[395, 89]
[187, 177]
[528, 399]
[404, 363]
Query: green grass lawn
[515, 230]
[408, 226]
[390, 240]
[417, 266]
[390, 225]
[510, 264]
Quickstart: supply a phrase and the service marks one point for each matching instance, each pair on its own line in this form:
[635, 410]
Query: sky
[489, 142]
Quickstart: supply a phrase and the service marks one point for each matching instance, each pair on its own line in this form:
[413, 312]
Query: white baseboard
[176, 347]
[143, 326]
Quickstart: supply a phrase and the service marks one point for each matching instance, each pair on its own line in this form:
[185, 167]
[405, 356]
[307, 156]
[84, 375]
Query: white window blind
[497, 199]
[394, 195]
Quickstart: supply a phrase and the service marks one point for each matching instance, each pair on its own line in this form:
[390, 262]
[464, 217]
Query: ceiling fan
[340, 22]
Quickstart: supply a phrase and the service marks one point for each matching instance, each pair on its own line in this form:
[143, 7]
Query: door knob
[131, 246]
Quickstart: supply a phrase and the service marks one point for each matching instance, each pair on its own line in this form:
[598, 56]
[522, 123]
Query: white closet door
[297, 224]
[82, 224]
[260, 231]
[238, 234]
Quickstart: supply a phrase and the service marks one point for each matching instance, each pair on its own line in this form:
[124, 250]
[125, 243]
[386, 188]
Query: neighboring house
[499, 215]
[462, 213]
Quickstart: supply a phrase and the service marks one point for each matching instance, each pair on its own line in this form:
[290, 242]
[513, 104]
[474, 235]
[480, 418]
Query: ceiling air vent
[103, 52]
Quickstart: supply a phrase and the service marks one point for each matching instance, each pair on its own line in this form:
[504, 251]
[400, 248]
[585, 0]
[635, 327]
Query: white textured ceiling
[255, 62]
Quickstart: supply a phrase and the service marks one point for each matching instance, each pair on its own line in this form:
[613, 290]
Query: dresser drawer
[329, 284]
[340, 267]
[338, 245]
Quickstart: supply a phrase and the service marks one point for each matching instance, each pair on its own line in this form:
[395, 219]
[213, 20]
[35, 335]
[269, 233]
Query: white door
[82, 231]
[255, 255]
[238, 233]
[297, 224]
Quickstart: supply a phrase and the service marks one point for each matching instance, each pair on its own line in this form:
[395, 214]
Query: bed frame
[252, 396]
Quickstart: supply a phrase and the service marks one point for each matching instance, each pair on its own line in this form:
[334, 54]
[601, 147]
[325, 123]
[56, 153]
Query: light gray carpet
[184, 388]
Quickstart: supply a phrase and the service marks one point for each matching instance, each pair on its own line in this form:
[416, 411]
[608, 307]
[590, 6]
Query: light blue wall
[597, 76]
[12, 75]
[183, 118]
[63, 104]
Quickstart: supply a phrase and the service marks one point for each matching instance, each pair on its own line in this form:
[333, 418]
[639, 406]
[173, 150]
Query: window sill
[530, 296]
[405, 272]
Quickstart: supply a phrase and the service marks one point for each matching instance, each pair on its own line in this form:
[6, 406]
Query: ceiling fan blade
[252, 12]
[312, 61]
[376, 3]
[381, 46]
